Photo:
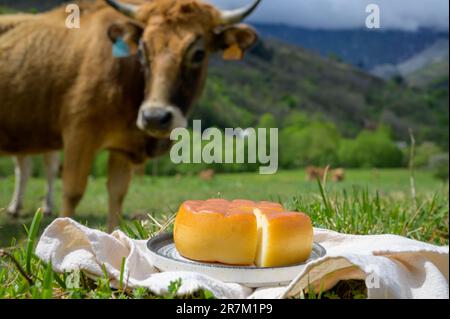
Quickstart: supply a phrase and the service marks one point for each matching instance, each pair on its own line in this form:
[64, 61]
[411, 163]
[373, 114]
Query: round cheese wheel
[242, 232]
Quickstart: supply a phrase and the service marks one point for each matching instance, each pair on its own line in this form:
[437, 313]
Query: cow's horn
[237, 15]
[127, 9]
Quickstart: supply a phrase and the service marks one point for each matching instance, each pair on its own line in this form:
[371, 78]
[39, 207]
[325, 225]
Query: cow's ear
[235, 40]
[125, 38]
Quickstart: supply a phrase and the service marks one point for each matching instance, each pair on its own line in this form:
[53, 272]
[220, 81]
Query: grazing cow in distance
[314, 173]
[64, 88]
[338, 175]
[207, 175]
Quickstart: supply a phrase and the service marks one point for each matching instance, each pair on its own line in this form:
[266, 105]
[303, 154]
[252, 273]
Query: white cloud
[344, 14]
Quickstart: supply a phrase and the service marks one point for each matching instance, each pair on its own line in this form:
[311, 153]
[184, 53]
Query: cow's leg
[51, 163]
[78, 157]
[119, 177]
[22, 173]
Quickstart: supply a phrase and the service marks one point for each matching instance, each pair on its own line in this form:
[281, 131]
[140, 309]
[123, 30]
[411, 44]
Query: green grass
[162, 195]
[368, 202]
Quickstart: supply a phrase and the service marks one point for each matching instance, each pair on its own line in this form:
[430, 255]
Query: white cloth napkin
[392, 266]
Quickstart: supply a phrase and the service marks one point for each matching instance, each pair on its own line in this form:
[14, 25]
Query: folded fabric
[391, 266]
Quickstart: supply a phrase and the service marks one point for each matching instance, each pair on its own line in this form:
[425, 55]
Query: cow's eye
[196, 53]
[198, 56]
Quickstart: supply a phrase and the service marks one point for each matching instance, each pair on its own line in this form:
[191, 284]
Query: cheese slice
[284, 238]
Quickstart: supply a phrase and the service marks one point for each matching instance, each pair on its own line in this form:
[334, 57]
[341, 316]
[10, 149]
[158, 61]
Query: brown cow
[207, 175]
[338, 175]
[62, 88]
[314, 173]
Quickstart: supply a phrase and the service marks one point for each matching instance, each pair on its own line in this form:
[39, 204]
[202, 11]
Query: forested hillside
[282, 79]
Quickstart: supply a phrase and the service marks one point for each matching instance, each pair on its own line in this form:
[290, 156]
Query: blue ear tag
[120, 49]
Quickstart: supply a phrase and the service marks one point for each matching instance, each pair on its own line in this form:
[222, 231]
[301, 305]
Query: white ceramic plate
[165, 257]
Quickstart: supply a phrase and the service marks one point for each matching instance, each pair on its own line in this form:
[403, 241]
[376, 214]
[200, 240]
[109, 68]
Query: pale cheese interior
[275, 248]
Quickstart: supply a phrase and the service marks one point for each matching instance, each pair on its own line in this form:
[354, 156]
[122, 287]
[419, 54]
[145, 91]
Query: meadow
[161, 196]
[367, 202]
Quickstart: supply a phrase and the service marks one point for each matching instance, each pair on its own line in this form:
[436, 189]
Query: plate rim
[169, 236]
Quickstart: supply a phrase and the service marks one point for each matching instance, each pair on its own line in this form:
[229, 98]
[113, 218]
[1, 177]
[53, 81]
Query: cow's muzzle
[160, 121]
[157, 118]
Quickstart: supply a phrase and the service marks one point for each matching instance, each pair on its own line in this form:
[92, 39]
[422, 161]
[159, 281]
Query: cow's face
[173, 40]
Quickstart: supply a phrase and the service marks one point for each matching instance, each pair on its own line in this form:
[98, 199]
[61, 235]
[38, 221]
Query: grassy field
[368, 202]
[163, 195]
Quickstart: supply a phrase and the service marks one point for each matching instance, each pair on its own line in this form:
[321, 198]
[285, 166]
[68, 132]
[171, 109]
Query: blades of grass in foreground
[32, 234]
[174, 286]
[122, 270]
[128, 231]
[61, 281]
[47, 285]
[106, 285]
[325, 199]
[16, 263]
[143, 234]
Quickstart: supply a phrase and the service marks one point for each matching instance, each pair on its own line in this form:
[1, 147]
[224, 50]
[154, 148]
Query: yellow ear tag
[234, 52]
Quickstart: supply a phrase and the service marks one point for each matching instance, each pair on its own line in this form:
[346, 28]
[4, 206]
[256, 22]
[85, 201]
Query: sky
[346, 14]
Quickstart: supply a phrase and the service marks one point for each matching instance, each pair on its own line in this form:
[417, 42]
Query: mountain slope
[421, 69]
[280, 79]
[363, 48]
[428, 67]
[435, 73]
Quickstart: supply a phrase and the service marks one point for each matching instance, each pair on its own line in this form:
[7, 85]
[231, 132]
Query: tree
[315, 144]
[267, 120]
[371, 149]
[425, 152]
